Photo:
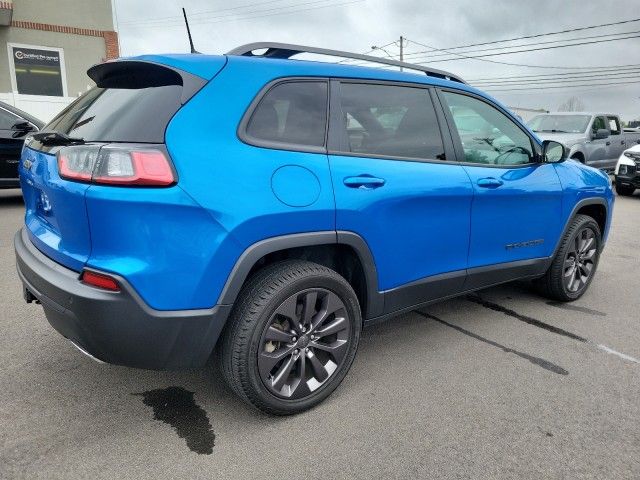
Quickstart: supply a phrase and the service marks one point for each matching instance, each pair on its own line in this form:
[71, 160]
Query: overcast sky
[154, 26]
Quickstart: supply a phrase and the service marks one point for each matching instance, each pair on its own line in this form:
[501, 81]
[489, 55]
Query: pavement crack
[540, 362]
[176, 407]
[524, 318]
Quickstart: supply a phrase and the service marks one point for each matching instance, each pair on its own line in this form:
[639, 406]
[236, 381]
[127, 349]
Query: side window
[488, 136]
[614, 125]
[390, 120]
[598, 123]
[7, 119]
[291, 113]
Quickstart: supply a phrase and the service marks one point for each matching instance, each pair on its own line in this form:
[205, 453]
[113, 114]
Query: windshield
[560, 123]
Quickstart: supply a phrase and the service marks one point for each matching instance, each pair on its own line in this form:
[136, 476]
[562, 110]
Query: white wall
[44, 108]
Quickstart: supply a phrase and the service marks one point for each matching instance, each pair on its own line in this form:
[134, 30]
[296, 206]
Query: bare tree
[573, 104]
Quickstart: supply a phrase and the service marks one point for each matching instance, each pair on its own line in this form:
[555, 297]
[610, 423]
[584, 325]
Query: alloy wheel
[579, 263]
[304, 343]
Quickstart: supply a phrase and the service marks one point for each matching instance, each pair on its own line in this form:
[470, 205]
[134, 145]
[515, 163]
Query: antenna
[186, 22]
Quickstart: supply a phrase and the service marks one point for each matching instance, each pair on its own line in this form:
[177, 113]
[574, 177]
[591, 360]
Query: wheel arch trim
[582, 203]
[252, 254]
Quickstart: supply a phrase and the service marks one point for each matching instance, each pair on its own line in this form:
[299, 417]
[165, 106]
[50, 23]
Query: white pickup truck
[596, 139]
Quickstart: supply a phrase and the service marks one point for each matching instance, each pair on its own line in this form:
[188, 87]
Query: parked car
[627, 173]
[595, 139]
[14, 127]
[314, 198]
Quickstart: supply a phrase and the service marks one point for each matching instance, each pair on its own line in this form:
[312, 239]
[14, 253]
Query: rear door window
[614, 125]
[391, 121]
[290, 114]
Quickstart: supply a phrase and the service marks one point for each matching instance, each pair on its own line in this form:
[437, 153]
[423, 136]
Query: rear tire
[291, 337]
[575, 263]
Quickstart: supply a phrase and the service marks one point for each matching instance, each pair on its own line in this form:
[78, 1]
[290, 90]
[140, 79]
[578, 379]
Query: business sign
[38, 72]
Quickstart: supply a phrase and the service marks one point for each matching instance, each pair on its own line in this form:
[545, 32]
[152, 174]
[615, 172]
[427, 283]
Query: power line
[444, 54]
[633, 73]
[554, 67]
[556, 82]
[561, 86]
[545, 34]
[528, 50]
[253, 17]
[204, 12]
[595, 70]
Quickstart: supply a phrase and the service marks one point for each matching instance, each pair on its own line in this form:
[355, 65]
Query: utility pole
[401, 50]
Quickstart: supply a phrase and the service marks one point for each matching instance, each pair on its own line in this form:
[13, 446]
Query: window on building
[391, 121]
[37, 71]
[293, 113]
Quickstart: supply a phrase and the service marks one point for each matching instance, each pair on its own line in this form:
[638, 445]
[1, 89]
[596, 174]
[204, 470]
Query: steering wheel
[506, 151]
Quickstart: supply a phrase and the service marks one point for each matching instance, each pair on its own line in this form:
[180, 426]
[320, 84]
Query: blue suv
[268, 208]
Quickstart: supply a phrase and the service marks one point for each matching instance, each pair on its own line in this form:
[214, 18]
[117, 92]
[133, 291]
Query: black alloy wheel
[579, 260]
[304, 343]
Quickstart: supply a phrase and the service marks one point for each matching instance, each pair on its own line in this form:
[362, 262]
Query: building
[527, 114]
[49, 47]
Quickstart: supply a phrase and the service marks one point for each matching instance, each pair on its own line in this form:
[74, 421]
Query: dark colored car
[14, 127]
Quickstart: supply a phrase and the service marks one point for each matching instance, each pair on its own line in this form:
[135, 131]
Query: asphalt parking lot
[498, 385]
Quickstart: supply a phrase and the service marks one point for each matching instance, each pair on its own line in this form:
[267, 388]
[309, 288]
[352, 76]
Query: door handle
[489, 182]
[608, 143]
[364, 181]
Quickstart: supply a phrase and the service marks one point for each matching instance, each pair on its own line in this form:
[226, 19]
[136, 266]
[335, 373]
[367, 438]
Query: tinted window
[488, 136]
[291, 113]
[391, 121]
[7, 119]
[598, 124]
[120, 114]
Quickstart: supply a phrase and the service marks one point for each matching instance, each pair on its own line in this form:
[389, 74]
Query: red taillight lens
[116, 165]
[100, 280]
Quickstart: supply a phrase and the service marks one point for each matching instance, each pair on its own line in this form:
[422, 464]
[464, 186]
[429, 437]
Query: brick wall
[110, 37]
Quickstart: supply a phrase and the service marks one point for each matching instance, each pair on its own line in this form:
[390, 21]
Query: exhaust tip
[86, 353]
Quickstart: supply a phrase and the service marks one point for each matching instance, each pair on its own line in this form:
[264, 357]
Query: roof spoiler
[143, 74]
[286, 50]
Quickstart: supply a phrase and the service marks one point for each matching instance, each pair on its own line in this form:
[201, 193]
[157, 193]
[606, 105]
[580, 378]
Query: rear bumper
[116, 327]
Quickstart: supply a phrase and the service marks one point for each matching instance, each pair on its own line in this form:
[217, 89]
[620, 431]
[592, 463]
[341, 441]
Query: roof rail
[286, 50]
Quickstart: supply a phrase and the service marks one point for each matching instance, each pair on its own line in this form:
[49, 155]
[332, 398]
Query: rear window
[135, 115]
[291, 113]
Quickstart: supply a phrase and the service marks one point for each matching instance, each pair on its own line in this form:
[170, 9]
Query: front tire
[291, 337]
[624, 191]
[575, 263]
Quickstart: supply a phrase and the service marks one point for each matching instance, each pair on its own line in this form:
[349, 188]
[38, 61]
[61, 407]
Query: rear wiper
[56, 138]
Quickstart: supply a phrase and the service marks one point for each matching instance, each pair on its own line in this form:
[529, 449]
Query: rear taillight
[100, 280]
[116, 165]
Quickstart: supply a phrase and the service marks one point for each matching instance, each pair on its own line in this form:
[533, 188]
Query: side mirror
[22, 126]
[553, 152]
[601, 133]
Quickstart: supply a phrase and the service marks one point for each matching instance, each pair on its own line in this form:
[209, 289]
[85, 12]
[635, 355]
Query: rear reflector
[116, 165]
[100, 280]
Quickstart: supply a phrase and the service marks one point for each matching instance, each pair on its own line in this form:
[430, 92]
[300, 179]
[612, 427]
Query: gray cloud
[357, 26]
